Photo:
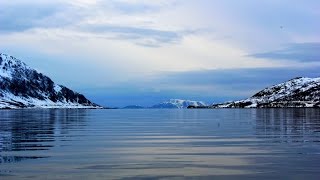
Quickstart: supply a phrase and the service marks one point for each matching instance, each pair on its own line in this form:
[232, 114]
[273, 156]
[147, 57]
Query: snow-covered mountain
[297, 92]
[133, 107]
[179, 104]
[23, 87]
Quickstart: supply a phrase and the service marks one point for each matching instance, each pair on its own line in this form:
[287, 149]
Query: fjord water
[160, 144]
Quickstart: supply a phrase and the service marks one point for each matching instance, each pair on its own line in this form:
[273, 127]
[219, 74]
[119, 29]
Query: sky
[142, 52]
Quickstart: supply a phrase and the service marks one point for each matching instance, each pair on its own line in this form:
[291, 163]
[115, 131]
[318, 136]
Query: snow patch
[57, 88]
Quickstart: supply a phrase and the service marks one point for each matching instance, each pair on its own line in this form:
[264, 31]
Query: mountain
[133, 107]
[23, 87]
[179, 104]
[297, 92]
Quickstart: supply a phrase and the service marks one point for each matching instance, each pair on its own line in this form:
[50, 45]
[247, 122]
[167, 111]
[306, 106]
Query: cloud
[118, 20]
[18, 17]
[304, 52]
[239, 76]
[140, 36]
[133, 8]
[240, 82]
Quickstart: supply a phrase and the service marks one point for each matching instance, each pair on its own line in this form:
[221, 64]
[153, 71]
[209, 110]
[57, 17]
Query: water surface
[160, 144]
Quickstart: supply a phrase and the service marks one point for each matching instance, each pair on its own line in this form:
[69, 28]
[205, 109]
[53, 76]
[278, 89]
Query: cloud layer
[194, 48]
[303, 52]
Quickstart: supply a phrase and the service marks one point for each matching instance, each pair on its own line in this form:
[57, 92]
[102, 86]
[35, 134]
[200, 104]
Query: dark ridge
[28, 83]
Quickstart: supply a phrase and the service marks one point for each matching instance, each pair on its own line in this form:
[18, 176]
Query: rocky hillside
[23, 87]
[297, 92]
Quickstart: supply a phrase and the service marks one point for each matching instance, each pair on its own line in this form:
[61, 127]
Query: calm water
[160, 144]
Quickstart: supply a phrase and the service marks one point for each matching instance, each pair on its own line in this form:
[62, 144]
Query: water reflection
[294, 134]
[34, 130]
[160, 144]
[288, 125]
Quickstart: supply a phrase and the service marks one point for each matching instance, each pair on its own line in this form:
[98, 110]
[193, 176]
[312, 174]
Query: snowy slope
[179, 104]
[23, 87]
[297, 92]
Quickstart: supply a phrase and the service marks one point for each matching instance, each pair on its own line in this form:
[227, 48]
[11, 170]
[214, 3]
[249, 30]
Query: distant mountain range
[133, 107]
[297, 92]
[24, 87]
[178, 104]
[171, 104]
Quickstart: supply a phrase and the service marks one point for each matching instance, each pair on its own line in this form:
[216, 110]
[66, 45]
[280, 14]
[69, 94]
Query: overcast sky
[123, 52]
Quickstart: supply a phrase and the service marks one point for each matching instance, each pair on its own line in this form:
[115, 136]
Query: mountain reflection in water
[160, 144]
[35, 130]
